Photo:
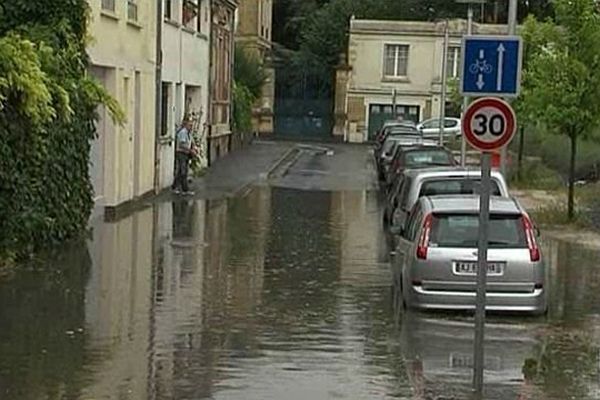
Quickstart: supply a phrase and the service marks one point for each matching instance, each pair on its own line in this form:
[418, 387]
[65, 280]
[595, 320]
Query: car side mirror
[396, 230]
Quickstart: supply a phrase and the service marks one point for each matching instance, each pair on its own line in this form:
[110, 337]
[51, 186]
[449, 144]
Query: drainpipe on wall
[231, 72]
[209, 111]
[158, 99]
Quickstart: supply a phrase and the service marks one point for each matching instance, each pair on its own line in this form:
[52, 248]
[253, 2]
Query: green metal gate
[380, 113]
[303, 103]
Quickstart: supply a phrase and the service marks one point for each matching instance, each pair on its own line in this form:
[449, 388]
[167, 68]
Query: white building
[185, 77]
[123, 59]
[404, 57]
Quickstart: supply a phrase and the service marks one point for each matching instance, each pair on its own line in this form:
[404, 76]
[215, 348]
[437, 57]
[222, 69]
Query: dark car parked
[422, 156]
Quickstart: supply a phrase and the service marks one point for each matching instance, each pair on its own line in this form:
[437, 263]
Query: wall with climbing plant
[47, 120]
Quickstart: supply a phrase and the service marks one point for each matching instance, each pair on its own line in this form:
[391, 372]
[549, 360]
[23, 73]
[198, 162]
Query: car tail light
[534, 250]
[424, 239]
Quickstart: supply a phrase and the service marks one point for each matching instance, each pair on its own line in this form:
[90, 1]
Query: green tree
[249, 79]
[563, 76]
[47, 119]
[249, 71]
[535, 36]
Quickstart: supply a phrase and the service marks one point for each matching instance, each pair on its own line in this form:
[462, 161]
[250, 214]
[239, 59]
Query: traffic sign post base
[482, 251]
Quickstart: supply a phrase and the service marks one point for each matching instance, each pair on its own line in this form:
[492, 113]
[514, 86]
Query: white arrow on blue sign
[491, 66]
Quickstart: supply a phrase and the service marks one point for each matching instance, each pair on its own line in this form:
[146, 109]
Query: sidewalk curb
[269, 174]
[263, 176]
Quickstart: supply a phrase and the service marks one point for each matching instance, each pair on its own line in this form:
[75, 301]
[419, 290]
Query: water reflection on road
[275, 294]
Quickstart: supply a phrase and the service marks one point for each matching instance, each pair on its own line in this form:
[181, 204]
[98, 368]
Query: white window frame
[133, 10]
[192, 24]
[397, 47]
[454, 68]
[108, 5]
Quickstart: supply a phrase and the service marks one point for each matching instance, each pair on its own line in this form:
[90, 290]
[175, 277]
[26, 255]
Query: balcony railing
[108, 5]
[132, 10]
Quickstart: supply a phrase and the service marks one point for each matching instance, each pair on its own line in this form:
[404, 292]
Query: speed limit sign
[489, 124]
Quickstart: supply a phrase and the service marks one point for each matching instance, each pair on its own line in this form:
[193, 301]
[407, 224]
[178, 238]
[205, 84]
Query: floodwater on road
[274, 294]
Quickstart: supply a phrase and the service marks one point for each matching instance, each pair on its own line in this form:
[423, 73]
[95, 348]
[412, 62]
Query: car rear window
[462, 231]
[404, 131]
[418, 158]
[388, 147]
[456, 186]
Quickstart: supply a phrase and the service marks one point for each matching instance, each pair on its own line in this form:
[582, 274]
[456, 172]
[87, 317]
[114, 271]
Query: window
[396, 60]
[453, 68]
[108, 5]
[450, 123]
[464, 186]
[132, 10]
[414, 223]
[190, 12]
[199, 17]
[164, 123]
[405, 194]
[414, 159]
[462, 231]
[168, 11]
[431, 124]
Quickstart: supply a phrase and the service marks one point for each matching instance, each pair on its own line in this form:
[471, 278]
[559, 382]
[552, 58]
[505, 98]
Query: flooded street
[277, 293]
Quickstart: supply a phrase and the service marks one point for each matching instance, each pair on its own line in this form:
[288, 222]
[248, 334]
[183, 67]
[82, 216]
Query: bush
[248, 71]
[47, 119]
[536, 175]
[243, 101]
[553, 150]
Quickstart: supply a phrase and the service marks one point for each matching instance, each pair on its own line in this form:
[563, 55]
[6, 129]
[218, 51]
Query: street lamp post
[512, 30]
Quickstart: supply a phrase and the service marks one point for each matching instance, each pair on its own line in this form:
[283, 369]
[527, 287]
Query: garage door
[379, 113]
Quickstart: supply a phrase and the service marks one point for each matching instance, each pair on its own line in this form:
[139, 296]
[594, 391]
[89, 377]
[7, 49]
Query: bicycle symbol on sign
[481, 66]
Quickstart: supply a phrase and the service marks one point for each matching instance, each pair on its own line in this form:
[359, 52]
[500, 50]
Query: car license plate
[464, 361]
[470, 268]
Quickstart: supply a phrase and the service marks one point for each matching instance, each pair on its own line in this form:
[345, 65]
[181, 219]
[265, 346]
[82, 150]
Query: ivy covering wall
[47, 120]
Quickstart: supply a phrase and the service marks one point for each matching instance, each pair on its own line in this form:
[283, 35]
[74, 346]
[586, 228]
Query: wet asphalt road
[282, 292]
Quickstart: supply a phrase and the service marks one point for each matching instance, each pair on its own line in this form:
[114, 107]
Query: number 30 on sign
[489, 124]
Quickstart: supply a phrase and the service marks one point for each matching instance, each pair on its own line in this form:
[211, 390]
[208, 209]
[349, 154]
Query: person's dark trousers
[181, 172]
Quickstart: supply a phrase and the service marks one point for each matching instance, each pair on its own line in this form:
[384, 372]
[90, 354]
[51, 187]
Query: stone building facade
[221, 77]
[254, 35]
[395, 63]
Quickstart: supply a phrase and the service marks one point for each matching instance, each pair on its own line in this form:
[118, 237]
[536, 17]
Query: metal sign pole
[463, 142]
[444, 82]
[484, 221]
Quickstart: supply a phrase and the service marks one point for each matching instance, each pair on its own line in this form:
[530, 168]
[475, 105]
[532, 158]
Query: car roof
[403, 129]
[447, 172]
[424, 147]
[393, 122]
[401, 138]
[470, 204]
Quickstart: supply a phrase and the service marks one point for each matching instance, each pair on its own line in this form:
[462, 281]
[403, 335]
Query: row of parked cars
[432, 216]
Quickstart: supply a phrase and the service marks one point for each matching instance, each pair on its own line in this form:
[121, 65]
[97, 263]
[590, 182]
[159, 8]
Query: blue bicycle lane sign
[491, 66]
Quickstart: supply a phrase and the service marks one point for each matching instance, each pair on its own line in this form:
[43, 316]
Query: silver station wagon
[435, 265]
[441, 181]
